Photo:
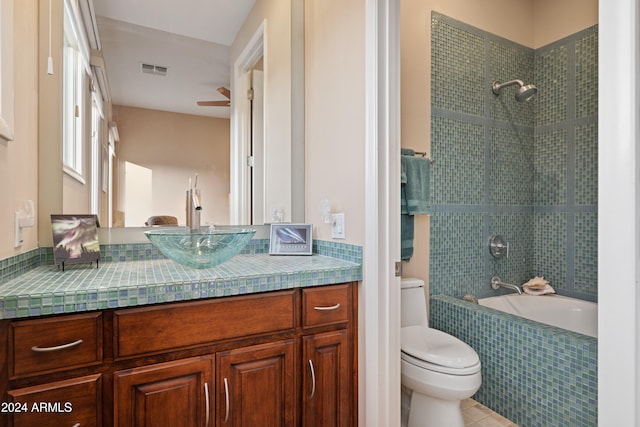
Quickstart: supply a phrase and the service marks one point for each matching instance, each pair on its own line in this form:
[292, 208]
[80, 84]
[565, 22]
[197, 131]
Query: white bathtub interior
[556, 310]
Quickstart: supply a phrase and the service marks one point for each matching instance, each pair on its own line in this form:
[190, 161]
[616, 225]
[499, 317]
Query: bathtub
[533, 373]
[560, 311]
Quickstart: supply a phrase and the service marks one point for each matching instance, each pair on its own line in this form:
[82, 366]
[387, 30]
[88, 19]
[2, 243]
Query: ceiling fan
[225, 92]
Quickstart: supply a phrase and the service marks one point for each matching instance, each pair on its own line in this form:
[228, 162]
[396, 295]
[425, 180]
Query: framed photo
[290, 239]
[75, 239]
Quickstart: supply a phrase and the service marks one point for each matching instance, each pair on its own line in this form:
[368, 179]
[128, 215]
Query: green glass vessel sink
[200, 248]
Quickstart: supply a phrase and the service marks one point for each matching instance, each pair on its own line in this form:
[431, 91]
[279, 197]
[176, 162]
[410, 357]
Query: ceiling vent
[157, 70]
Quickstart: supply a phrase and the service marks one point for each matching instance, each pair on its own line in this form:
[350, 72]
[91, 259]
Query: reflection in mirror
[149, 69]
[157, 75]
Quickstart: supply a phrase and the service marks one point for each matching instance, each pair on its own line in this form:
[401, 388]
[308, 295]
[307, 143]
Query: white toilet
[438, 370]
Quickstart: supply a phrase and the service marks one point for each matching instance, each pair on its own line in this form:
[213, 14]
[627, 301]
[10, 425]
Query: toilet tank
[413, 307]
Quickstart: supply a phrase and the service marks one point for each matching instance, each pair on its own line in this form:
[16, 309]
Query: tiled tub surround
[526, 171]
[533, 374]
[136, 274]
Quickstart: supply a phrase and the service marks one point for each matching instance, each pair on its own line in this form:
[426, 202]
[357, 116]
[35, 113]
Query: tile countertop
[48, 290]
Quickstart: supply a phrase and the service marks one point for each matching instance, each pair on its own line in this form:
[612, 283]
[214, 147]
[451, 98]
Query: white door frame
[618, 213]
[380, 294]
[239, 203]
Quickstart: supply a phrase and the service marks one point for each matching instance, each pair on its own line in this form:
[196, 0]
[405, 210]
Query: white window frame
[97, 117]
[75, 91]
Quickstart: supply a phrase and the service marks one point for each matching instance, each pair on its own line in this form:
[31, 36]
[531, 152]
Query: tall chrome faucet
[193, 205]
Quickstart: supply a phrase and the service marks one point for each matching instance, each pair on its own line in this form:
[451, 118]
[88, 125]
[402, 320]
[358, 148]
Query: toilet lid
[438, 348]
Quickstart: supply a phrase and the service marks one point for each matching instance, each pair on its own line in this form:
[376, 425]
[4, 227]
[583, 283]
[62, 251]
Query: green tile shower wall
[527, 171]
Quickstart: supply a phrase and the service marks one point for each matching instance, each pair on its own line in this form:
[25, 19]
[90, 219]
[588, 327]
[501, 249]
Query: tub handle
[498, 247]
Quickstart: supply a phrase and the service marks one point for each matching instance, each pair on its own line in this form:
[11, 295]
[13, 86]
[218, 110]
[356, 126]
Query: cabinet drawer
[325, 305]
[64, 403]
[54, 344]
[172, 327]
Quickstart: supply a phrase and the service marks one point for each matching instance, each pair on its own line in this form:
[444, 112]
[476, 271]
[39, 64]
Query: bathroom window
[96, 120]
[75, 91]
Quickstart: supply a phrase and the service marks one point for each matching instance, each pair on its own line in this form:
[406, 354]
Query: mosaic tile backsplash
[135, 274]
[526, 171]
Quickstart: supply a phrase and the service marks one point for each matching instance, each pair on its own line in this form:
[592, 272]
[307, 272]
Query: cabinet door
[327, 381]
[166, 394]
[63, 403]
[255, 386]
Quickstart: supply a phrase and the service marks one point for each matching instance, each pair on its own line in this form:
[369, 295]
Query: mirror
[155, 170]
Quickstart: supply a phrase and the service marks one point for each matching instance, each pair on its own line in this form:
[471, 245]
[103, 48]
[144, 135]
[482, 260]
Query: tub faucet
[496, 283]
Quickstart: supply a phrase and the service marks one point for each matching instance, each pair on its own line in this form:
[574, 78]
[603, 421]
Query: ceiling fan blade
[214, 103]
[225, 92]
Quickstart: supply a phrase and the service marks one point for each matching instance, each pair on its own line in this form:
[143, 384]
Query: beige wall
[335, 114]
[533, 23]
[175, 147]
[19, 158]
[554, 19]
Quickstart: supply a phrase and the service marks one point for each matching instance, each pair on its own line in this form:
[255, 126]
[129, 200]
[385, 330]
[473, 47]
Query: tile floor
[477, 415]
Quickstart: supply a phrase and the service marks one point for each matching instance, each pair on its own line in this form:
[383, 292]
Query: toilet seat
[438, 351]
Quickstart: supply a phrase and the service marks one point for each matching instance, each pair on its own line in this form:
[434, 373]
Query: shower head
[524, 92]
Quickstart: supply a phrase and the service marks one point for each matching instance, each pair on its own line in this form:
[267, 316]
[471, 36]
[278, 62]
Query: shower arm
[497, 86]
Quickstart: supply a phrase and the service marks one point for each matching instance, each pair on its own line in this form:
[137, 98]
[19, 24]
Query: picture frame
[75, 239]
[291, 239]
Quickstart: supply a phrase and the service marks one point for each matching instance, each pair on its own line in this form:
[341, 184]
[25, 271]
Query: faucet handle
[498, 247]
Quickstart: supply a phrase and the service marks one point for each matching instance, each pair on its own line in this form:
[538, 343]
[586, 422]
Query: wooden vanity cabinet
[328, 385]
[255, 386]
[73, 402]
[284, 358]
[174, 393]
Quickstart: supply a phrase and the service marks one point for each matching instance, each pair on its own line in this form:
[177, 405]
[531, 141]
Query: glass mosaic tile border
[533, 374]
[48, 290]
[136, 274]
[14, 266]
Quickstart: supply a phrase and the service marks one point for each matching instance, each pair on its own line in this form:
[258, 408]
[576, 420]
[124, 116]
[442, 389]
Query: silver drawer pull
[329, 308]
[226, 401]
[56, 348]
[313, 380]
[76, 425]
[206, 404]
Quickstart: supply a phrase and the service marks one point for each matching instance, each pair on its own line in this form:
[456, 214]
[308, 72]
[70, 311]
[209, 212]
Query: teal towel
[414, 198]
[406, 237]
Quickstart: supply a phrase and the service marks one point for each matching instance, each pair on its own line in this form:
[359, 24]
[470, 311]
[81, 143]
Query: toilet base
[426, 411]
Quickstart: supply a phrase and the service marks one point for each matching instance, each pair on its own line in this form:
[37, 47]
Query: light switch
[337, 229]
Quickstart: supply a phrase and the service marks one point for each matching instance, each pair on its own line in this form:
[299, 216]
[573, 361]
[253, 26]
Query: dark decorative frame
[75, 239]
